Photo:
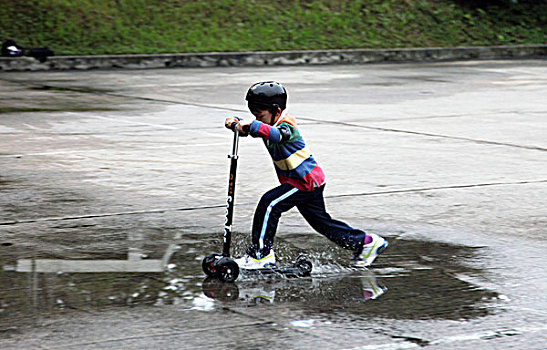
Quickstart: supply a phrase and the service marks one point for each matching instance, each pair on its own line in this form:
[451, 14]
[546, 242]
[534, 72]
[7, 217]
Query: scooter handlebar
[246, 128]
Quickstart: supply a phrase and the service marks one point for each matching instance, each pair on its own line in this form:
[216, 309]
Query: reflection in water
[424, 281]
[358, 287]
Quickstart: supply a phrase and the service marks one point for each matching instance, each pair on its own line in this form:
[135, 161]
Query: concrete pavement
[113, 185]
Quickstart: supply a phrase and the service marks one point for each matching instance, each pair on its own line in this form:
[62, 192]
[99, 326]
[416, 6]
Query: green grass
[174, 26]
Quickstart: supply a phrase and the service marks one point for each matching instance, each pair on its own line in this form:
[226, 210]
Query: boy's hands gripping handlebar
[242, 126]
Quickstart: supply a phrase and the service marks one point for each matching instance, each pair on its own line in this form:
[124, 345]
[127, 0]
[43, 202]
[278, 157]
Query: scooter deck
[288, 271]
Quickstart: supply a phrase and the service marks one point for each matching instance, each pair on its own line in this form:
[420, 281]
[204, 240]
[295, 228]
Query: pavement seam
[165, 210]
[92, 216]
[424, 189]
[535, 148]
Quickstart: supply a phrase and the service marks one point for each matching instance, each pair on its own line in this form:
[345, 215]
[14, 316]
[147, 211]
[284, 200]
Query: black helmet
[267, 93]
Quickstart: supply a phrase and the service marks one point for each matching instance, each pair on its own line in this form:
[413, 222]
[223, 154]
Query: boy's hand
[229, 121]
[240, 125]
[243, 127]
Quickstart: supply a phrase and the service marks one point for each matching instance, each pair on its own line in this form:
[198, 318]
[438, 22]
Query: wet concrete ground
[112, 190]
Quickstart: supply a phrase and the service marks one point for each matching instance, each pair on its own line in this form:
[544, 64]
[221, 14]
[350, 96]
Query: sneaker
[370, 251]
[250, 263]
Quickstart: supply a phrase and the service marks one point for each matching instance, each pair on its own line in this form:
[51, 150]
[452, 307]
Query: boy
[302, 183]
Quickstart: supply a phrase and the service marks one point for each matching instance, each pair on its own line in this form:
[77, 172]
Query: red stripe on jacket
[315, 178]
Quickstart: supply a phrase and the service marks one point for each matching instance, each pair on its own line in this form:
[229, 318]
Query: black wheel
[215, 289]
[208, 264]
[303, 262]
[227, 270]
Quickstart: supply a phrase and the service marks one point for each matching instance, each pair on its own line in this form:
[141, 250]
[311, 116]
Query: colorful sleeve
[270, 133]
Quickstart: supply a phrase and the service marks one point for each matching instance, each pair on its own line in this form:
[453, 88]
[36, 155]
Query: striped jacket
[292, 160]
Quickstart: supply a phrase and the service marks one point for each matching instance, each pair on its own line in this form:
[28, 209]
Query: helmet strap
[276, 112]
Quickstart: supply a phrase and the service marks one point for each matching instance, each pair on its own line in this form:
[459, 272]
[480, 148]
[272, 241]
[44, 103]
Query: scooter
[222, 266]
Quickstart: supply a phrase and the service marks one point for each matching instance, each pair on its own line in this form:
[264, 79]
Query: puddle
[412, 280]
[420, 286]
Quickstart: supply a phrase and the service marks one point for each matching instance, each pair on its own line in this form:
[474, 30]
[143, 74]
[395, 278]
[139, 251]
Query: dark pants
[312, 207]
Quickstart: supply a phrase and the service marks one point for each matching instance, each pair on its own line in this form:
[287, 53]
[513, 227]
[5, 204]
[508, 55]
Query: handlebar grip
[233, 126]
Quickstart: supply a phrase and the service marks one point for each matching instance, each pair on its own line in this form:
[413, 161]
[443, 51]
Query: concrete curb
[274, 58]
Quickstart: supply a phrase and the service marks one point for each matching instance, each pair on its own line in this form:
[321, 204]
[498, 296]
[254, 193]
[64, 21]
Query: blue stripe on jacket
[279, 153]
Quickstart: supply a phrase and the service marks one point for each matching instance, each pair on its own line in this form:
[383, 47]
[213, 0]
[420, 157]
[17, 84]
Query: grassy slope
[161, 26]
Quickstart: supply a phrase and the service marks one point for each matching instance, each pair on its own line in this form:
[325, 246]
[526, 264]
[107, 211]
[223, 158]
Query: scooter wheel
[227, 269]
[303, 262]
[208, 264]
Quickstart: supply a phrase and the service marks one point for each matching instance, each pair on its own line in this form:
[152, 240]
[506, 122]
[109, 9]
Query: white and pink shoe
[370, 251]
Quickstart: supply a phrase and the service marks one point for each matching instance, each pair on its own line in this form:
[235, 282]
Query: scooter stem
[235, 144]
[231, 195]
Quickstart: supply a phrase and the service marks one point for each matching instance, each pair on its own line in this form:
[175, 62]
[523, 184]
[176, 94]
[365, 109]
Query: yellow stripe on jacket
[294, 160]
